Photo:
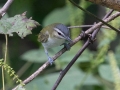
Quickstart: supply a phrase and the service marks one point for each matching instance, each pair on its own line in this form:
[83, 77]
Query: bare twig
[5, 58]
[45, 65]
[106, 16]
[113, 4]
[112, 17]
[81, 26]
[6, 49]
[3, 79]
[2, 13]
[87, 26]
[62, 74]
[94, 16]
[5, 8]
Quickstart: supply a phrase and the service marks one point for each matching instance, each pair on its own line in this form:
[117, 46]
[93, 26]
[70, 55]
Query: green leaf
[104, 42]
[19, 24]
[67, 56]
[60, 15]
[69, 82]
[38, 55]
[117, 54]
[106, 72]
[35, 55]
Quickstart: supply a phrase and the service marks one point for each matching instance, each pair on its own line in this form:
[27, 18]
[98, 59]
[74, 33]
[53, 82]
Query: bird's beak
[68, 39]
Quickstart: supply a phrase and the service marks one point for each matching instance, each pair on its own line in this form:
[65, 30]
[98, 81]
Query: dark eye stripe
[59, 33]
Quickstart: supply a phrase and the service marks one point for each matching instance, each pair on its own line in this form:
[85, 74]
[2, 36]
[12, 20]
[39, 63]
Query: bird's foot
[67, 46]
[50, 60]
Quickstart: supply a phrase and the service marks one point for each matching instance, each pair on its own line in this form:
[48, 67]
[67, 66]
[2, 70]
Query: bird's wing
[43, 37]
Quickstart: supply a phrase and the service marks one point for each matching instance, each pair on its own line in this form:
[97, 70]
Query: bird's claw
[50, 60]
[67, 46]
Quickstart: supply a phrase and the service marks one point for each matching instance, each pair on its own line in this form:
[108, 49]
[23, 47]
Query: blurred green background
[94, 70]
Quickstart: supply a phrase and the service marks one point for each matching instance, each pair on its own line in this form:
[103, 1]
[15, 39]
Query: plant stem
[5, 58]
[3, 78]
[6, 44]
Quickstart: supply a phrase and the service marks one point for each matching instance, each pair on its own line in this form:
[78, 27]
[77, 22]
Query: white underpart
[53, 42]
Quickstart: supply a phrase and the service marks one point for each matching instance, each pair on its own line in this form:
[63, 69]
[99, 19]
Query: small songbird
[54, 35]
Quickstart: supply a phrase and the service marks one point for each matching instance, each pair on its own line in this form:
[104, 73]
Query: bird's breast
[53, 42]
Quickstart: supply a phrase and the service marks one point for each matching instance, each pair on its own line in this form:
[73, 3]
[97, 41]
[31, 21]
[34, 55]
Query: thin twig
[6, 49]
[112, 17]
[86, 26]
[108, 14]
[5, 8]
[72, 62]
[46, 64]
[74, 42]
[5, 58]
[94, 16]
[81, 26]
[62, 74]
[3, 78]
[2, 13]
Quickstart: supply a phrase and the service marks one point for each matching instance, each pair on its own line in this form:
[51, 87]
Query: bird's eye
[59, 33]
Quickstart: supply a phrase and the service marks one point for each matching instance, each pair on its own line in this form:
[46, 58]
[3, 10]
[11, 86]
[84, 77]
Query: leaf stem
[3, 78]
[5, 58]
[6, 44]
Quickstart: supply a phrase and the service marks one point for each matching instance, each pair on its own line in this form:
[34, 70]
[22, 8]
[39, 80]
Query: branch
[82, 26]
[110, 18]
[113, 4]
[93, 16]
[88, 42]
[87, 26]
[62, 73]
[46, 64]
[5, 8]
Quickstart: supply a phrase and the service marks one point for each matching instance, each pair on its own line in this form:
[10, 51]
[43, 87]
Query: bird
[54, 35]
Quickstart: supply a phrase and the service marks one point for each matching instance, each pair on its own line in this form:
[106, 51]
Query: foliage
[94, 70]
[19, 24]
[22, 26]
[53, 16]
[10, 71]
[48, 80]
